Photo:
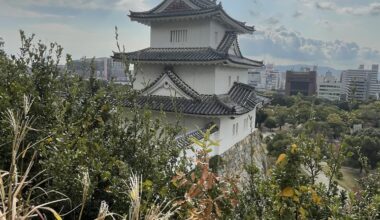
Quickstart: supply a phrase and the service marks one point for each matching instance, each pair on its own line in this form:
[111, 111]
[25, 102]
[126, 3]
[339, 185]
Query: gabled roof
[240, 99]
[178, 9]
[178, 82]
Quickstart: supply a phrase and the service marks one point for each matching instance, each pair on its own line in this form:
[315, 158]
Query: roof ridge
[192, 93]
[220, 102]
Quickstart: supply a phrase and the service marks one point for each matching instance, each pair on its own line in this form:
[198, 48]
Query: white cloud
[7, 10]
[370, 9]
[82, 4]
[284, 44]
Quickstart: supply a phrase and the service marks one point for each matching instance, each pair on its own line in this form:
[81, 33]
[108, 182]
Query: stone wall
[248, 151]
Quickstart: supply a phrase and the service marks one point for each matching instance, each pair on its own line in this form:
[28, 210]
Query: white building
[329, 88]
[194, 66]
[360, 84]
[257, 78]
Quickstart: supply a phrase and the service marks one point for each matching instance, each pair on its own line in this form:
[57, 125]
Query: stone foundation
[248, 151]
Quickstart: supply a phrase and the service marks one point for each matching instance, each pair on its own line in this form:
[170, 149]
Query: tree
[281, 116]
[261, 116]
[270, 123]
[337, 125]
[88, 129]
[368, 143]
[278, 143]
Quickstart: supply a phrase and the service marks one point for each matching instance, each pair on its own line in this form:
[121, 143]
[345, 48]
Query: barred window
[178, 36]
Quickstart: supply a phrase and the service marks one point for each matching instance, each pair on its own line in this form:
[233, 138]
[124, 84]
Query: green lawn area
[350, 177]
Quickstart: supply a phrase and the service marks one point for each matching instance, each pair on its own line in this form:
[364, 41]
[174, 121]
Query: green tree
[261, 116]
[90, 127]
[270, 123]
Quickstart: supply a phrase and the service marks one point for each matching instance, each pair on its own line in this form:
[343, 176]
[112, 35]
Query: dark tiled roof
[241, 99]
[199, 3]
[227, 41]
[175, 54]
[178, 82]
[184, 140]
[204, 3]
[191, 55]
[207, 8]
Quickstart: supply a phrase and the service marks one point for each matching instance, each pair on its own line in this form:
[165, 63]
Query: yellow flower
[287, 192]
[293, 148]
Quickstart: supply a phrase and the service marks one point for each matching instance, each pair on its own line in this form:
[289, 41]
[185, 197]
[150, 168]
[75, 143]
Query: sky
[338, 33]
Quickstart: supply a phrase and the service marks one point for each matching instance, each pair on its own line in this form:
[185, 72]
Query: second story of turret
[189, 24]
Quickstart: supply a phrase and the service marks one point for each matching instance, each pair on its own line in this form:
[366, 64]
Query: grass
[349, 179]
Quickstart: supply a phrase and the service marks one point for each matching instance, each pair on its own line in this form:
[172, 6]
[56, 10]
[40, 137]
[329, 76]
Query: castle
[194, 66]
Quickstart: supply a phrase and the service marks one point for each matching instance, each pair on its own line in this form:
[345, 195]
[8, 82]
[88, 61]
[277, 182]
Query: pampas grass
[13, 183]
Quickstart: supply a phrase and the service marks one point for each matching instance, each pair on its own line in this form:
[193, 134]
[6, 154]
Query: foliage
[368, 143]
[278, 143]
[291, 190]
[270, 123]
[18, 200]
[207, 195]
[261, 116]
[88, 130]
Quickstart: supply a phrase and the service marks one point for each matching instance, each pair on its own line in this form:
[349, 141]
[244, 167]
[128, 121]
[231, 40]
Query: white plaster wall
[216, 27]
[198, 34]
[225, 124]
[188, 122]
[226, 136]
[222, 78]
[146, 74]
[200, 78]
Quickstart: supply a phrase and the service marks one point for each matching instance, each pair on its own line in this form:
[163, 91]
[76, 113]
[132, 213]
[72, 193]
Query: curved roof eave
[147, 17]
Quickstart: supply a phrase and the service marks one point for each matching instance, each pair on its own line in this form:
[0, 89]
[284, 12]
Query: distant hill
[321, 69]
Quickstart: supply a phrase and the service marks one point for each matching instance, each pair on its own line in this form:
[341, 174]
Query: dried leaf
[281, 159]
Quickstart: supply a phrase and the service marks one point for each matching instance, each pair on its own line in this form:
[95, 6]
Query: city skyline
[338, 33]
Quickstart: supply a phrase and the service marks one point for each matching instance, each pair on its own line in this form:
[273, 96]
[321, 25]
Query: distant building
[361, 84]
[304, 82]
[329, 88]
[266, 78]
[257, 79]
[1, 43]
[104, 69]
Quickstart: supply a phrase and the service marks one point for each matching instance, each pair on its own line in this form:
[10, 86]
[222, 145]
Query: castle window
[229, 81]
[178, 36]
[238, 79]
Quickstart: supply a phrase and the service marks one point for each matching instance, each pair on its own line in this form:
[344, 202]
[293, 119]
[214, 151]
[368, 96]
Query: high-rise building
[329, 88]
[104, 69]
[303, 82]
[360, 84]
[194, 66]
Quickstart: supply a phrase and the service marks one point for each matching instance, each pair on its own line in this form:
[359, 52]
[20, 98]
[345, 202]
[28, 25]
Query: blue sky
[337, 33]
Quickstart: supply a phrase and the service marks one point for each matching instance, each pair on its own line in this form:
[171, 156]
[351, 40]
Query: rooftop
[194, 9]
[197, 55]
[239, 100]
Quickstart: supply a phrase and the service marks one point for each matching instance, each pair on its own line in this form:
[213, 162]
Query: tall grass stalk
[16, 200]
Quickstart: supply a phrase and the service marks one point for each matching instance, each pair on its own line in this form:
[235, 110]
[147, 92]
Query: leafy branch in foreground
[207, 195]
